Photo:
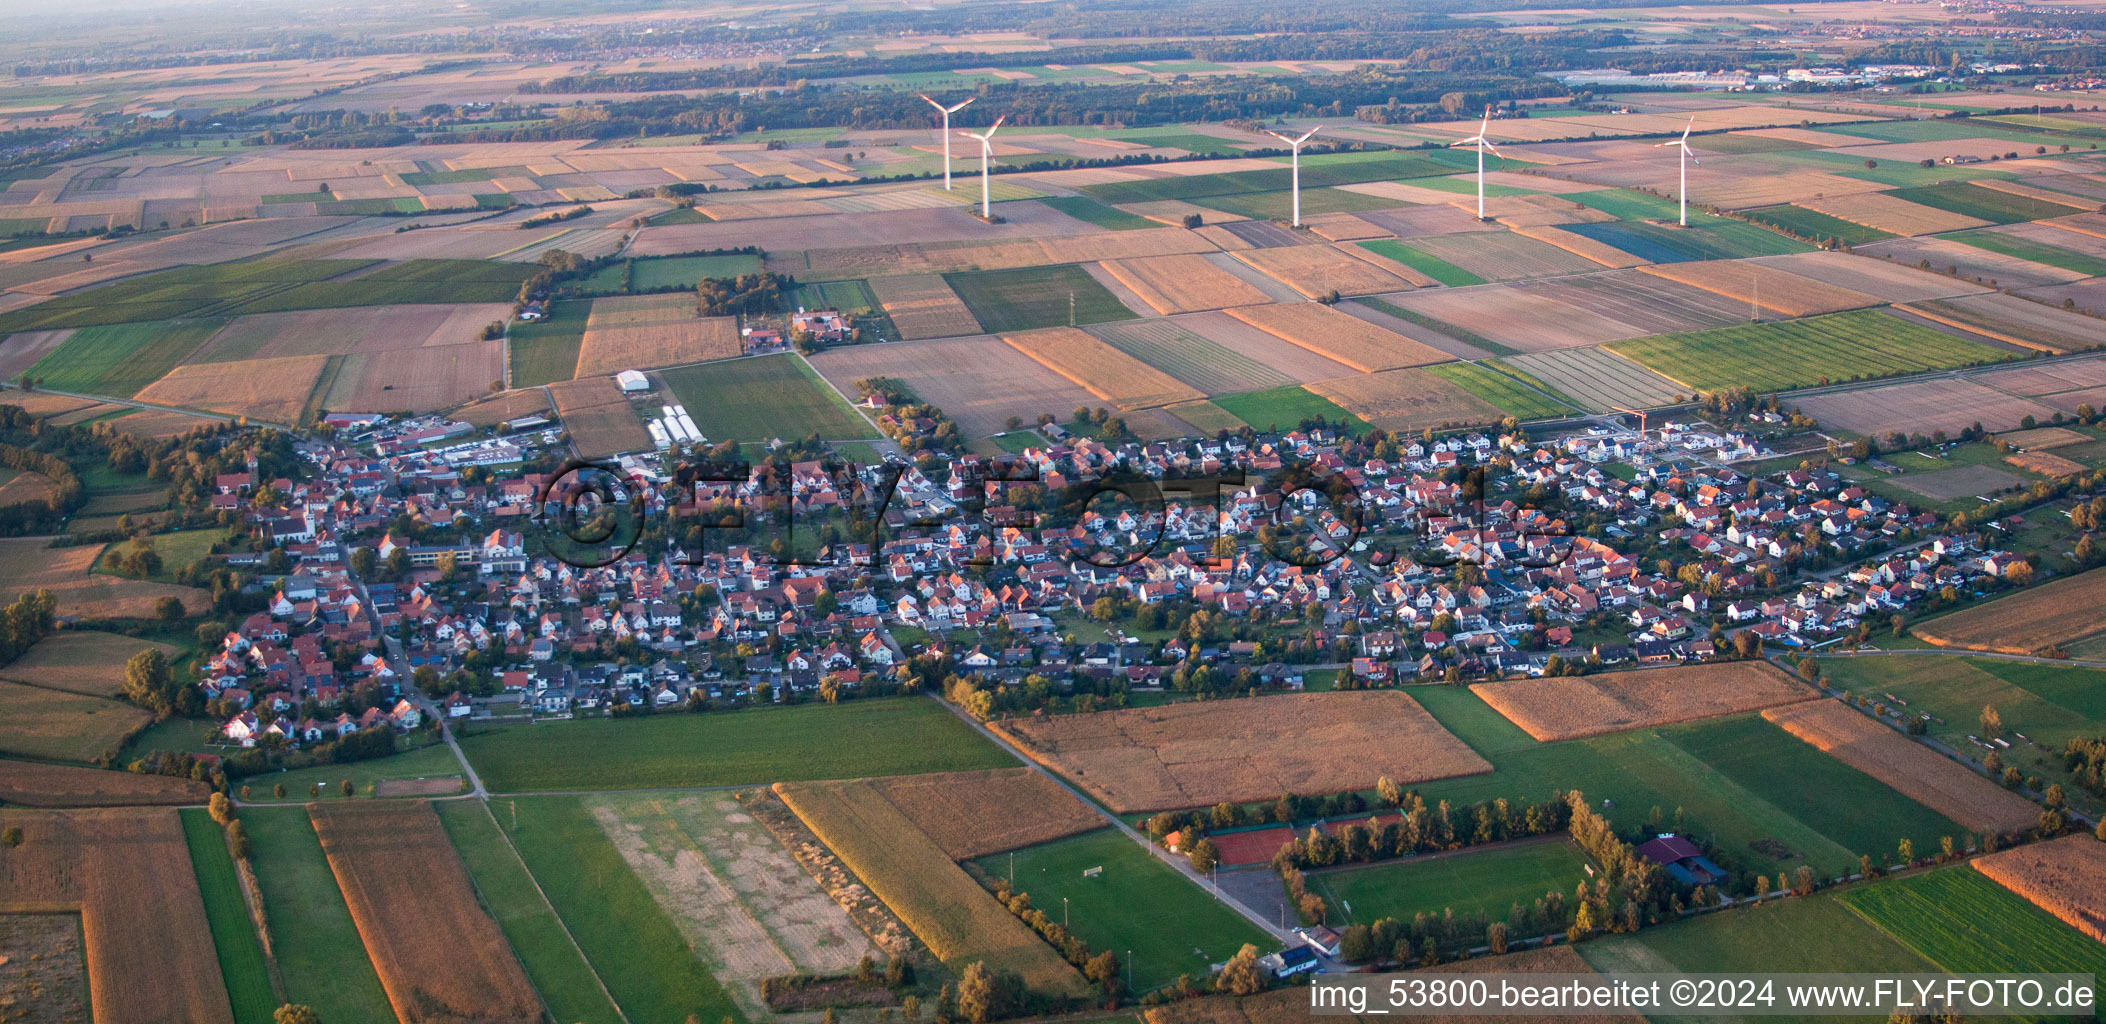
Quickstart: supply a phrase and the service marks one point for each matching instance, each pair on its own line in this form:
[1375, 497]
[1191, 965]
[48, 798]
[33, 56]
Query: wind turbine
[1482, 143]
[947, 112]
[986, 151]
[1295, 145]
[1687, 158]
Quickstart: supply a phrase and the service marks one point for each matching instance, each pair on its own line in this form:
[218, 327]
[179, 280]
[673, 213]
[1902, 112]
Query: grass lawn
[1786, 354]
[763, 398]
[2028, 249]
[851, 296]
[177, 549]
[546, 351]
[902, 736]
[1959, 919]
[233, 934]
[624, 933]
[1816, 934]
[1812, 224]
[1286, 408]
[1986, 203]
[121, 359]
[427, 762]
[1136, 903]
[859, 451]
[1425, 263]
[1088, 210]
[317, 946]
[1518, 399]
[1473, 881]
[681, 215]
[1016, 441]
[688, 271]
[175, 735]
[555, 965]
[1019, 300]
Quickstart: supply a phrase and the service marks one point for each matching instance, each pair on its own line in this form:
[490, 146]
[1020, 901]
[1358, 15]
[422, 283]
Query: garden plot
[1893, 282]
[1920, 407]
[977, 381]
[1519, 318]
[1317, 270]
[1768, 287]
[643, 332]
[1341, 336]
[1409, 400]
[1503, 256]
[1599, 379]
[1191, 358]
[1958, 259]
[1105, 371]
[1887, 213]
[1569, 707]
[923, 306]
[1910, 768]
[1183, 283]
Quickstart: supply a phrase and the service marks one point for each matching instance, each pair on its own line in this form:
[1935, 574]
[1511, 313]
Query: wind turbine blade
[1494, 149]
[966, 103]
[1686, 128]
[925, 99]
[1306, 135]
[1278, 136]
[1487, 123]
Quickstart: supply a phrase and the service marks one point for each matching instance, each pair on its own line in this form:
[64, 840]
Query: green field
[121, 359]
[1628, 205]
[625, 934]
[1467, 185]
[264, 286]
[177, 549]
[427, 762]
[612, 279]
[852, 296]
[1797, 353]
[1811, 935]
[1425, 263]
[1985, 203]
[555, 965]
[1285, 409]
[1088, 210]
[688, 271]
[1155, 919]
[762, 398]
[1205, 417]
[1019, 300]
[233, 934]
[903, 736]
[546, 351]
[1518, 399]
[318, 950]
[1280, 206]
[2028, 249]
[1810, 224]
[1959, 919]
[1469, 882]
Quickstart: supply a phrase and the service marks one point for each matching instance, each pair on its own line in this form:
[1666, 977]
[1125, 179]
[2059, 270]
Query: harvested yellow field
[1344, 227]
[37, 784]
[1341, 336]
[1121, 245]
[271, 390]
[2040, 438]
[80, 661]
[1183, 283]
[1534, 210]
[2027, 622]
[973, 814]
[1417, 277]
[923, 306]
[510, 405]
[599, 417]
[1912, 769]
[1569, 707]
[1775, 290]
[1580, 245]
[1100, 369]
[28, 564]
[1890, 214]
[1251, 748]
[1409, 399]
[2065, 877]
[2047, 464]
[1317, 270]
[644, 332]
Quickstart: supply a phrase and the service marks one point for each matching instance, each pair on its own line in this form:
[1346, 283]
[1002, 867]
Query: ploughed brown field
[1410, 399]
[644, 332]
[1193, 755]
[439, 955]
[923, 306]
[1775, 290]
[598, 417]
[1912, 769]
[1342, 336]
[2056, 612]
[1102, 370]
[2065, 877]
[973, 814]
[1568, 707]
[36, 784]
[127, 873]
[1183, 283]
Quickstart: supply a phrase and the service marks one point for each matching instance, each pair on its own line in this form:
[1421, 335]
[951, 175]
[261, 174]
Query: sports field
[1287, 408]
[1797, 353]
[121, 359]
[1032, 297]
[755, 400]
[233, 933]
[1942, 916]
[905, 736]
[1467, 882]
[317, 947]
[546, 351]
[1128, 905]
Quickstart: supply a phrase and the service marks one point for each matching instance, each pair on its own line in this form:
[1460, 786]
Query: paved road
[400, 666]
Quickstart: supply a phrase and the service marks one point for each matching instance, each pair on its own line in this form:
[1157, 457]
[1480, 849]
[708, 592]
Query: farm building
[1682, 859]
[633, 380]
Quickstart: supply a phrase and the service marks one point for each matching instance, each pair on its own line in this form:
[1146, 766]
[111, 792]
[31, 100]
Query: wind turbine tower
[1687, 158]
[1295, 146]
[1482, 142]
[986, 152]
[947, 112]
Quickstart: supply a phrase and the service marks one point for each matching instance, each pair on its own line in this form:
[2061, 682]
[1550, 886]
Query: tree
[221, 809]
[149, 681]
[1104, 970]
[347, 787]
[982, 996]
[2019, 575]
[899, 972]
[169, 608]
[1387, 789]
[294, 1013]
[1495, 938]
[13, 835]
[238, 839]
[1240, 975]
[278, 791]
[1204, 856]
[1907, 850]
[1992, 722]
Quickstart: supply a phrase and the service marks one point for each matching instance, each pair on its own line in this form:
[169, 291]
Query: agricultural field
[1184, 283]
[182, 293]
[1908, 767]
[317, 947]
[598, 417]
[551, 960]
[270, 390]
[1757, 284]
[1286, 408]
[1191, 358]
[37, 784]
[644, 332]
[546, 351]
[2061, 877]
[1886, 279]
[412, 380]
[1706, 238]
[2025, 248]
[1034, 297]
[1940, 915]
[438, 955]
[411, 282]
[1920, 407]
[754, 400]
[974, 814]
[688, 271]
[241, 962]
[1598, 379]
[945, 908]
[62, 726]
[2015, 321]
[1422, 261]
[2056, 612]
[1280, 205]
[1124, 904]
[1503, 255]
[1797, 353]
[80, 661]
[45, 976]
[625, 935]
[27, 565]
[1470, 881]
[1572, 707]
[342, 332]
[1798, 935]
[1318, 270]
[954, 374]
[1090, 211]
[1517, 398]
[1506, 319]
[1816, 225]
[121, 359]
[508, 405]
[923, 306]
[1105, 371]
[817, 741]
[1995, 206]
[430, 768]
[1890, 214]
[1193, 755]
[1410, 399]
[1330, 332]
